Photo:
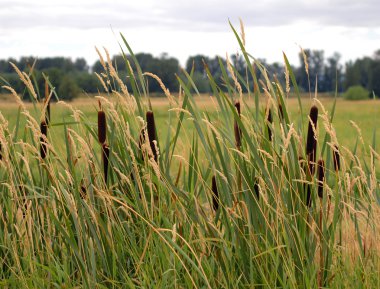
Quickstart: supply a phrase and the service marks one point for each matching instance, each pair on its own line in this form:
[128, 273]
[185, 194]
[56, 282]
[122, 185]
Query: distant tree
[315, 60]
[68, 89]
[197, 62]
[80, 64]
[374, 76]
[333, 73]
[358, 72]
[97, 67]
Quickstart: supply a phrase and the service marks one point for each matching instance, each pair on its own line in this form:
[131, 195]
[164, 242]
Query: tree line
[72, 77]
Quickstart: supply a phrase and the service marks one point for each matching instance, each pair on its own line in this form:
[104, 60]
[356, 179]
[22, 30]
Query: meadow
[257, 190]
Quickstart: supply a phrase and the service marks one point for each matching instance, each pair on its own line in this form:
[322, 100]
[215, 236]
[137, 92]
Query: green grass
[152, 224]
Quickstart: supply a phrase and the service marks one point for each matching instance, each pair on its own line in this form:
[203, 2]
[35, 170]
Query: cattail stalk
[311, 144]
[237, 129]
[105, 157]
[215, 194]
[43, 147]
[321, 179]
[151, 128]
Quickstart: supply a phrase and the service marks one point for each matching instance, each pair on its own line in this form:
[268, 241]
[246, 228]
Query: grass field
[224, 192]
[366, 114]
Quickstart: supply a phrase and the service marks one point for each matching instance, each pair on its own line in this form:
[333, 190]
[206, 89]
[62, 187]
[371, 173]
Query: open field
[365, 113]
[200, 193]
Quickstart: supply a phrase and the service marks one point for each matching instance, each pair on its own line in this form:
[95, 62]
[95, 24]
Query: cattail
[269, 123]
[151, 128]
[237, 129]
[320, 177]
[1, 152]
[336, 157]
[105, 157]
[47, 99]
[311, 144]
[256, 188]
[215, 194]
[43, 148]
[102, 127]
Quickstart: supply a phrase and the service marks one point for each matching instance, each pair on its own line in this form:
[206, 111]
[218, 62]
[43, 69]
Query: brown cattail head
[105, 158]
[311, 142]
[336, 158]
[151, 128]
[102, 127]
[256, 188]
[43, 148]
[237, 129]
[47, 99]
[320, 177]
[269, 123]
[1, 152]
[215, 194]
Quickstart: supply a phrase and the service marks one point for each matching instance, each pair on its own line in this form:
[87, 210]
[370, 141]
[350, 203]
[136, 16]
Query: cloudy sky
[182, 28]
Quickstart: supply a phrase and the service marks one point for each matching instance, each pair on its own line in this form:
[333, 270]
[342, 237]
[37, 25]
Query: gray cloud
[187, 15]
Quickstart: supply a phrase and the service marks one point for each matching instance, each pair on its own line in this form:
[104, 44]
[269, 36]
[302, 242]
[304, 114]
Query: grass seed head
[47, 99]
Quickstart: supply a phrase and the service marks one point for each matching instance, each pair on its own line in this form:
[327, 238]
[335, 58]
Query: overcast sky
[182, 28]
